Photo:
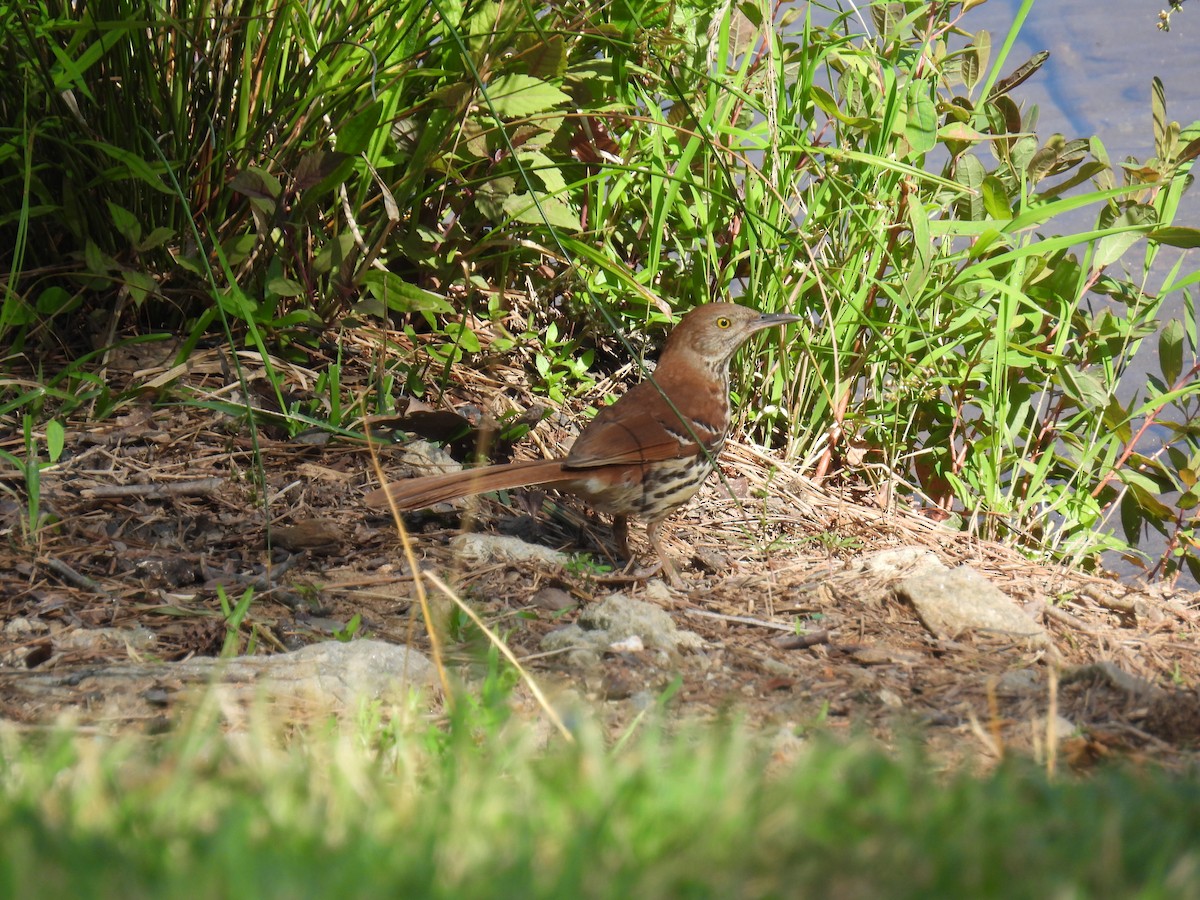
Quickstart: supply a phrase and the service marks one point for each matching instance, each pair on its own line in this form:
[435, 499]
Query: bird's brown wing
[640, 427]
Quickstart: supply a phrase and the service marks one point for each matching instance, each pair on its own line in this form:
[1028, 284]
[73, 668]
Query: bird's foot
[646, 573]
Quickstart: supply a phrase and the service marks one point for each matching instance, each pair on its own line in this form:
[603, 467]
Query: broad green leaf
[333, 253]
[236, 303]
[981, 49]
[970, 173]
[354, 135]
[125, 222]
[1170, 351]
[513, 96]
[140, 285]
[53, 300]
[547, 59]
[995, 199]
[969, 67]
[920, 127]
[1154, 509]
[285, 287]
[464, 337]
[1083, 387]
[400, 296]
[257, 183]
[1177, 236]
[543, 167]
[553, 211]
[451, 11]
[960, 131]
[1045, 159]
[1131, 519]
[56, 438]
[491, 196]
[1021, 74]
[1113, 247]
[156, 238]
[98, 262]
[239, 247]
[828, 105]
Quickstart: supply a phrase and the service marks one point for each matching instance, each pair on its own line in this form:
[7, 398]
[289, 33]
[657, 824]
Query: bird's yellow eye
[723, 322]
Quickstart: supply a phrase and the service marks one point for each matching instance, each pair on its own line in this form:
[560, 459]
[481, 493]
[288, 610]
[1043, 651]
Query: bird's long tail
[419, 493]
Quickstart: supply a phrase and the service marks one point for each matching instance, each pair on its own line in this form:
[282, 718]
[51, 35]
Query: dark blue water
[1103, 56]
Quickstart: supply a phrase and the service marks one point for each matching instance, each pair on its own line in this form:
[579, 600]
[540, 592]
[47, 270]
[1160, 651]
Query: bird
[648, 453]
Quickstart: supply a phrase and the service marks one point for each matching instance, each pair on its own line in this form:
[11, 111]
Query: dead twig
[802, 641]
[71, 577]
[152, 489]
[740, 620]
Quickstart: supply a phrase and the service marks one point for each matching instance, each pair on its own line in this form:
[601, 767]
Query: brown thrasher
[648, 453]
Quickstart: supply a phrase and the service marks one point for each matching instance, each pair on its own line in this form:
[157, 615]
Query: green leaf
[553, 211]
[1177, 236]
[238, 247]
[257, 184]
[1113, 247]
[56, 438]
[464, 337]
[53, 300]
[1170, 351]
[136, 166]
[995, 199]
[236, 303]
[543, 167]
[1045, 159]
[1158, 111]
[920, 127]
[285, 287]
[1131, 519]
[125, 222]
[98, 262]
[960, 131]
[355, 134]
[140, 285]
[828, 105]
[156, 238]
[969, 67]
[1152, 507]
[981, 49]
[1021, 74]
[547, 59]
[492, 195]
[400, 296]
[513, 96]
[1083, 387]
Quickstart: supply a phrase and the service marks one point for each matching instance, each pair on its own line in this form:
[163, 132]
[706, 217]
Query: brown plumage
[648, 453]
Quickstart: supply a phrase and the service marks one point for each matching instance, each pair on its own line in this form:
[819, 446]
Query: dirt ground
[157, 505]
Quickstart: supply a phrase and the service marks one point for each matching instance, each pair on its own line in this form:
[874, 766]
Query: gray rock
[953, 602]
[619, 616]
[1019, 681]
[899, 561]
[617, 620]
[344, 672]
[489, 548]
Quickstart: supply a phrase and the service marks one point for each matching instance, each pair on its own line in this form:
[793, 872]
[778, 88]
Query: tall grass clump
[577, 174]
[376, 808]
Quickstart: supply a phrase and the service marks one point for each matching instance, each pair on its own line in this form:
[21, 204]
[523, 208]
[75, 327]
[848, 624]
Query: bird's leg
[620, 529]
[668, 567]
